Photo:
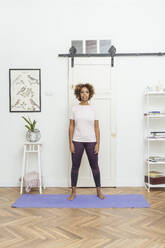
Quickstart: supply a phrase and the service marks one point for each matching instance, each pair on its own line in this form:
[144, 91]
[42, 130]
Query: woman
[84, 133]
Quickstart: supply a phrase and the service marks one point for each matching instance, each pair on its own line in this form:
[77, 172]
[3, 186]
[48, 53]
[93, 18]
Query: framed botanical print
[25, 90]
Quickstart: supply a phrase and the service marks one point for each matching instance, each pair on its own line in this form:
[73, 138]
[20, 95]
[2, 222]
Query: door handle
[72, 86]
[113, 134]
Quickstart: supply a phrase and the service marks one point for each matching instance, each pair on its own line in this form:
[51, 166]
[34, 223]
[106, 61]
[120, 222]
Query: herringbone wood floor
[83, 228]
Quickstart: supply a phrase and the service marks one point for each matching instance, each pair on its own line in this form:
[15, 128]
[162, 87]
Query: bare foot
[99, 194]
[73, 194]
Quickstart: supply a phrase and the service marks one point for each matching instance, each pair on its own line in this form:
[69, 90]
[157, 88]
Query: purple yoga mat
[80, 201]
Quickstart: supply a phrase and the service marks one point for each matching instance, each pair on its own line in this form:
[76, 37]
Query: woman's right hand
[72, 148]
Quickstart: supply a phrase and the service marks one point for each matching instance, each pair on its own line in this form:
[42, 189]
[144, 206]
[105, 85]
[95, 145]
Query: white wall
[34, 32]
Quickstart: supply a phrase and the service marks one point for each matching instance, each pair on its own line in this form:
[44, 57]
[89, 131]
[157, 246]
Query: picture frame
[78, 44]
[91, 46]
[25, 90]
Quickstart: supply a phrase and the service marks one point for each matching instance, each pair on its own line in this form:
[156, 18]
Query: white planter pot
[33, 136]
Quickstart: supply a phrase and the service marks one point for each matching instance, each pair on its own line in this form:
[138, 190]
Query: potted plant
[33, 134]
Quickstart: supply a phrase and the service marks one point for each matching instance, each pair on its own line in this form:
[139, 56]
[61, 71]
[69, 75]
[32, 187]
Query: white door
[99, 73]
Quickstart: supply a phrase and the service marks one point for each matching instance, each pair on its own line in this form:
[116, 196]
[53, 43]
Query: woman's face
[84, 94]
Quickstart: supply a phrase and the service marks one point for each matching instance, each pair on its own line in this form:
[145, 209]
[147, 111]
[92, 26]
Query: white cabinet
[154, 135]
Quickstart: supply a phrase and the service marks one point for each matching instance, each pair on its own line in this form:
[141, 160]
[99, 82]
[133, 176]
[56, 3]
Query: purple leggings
[92, 158]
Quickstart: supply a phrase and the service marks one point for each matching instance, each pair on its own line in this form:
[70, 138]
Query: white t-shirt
[84, 116]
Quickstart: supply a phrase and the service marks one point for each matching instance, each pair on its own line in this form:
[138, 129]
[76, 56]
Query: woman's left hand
[96, 150]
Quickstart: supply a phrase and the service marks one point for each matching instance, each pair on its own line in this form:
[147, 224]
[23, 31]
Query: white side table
[31, 147]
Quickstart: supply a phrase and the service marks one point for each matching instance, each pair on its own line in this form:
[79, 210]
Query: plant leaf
[34, 123]
[28, 127]
[29, 120]
[26, 120]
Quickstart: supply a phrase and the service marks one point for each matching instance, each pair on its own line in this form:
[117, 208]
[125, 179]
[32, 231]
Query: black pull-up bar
[111, 53]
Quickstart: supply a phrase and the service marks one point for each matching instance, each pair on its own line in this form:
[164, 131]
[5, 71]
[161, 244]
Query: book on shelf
[156, 159]
[153, 113]
[156, 134]
[156, 137]
[156, 174]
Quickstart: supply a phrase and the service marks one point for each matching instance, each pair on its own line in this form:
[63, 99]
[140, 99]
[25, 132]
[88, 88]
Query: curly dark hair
[78, 88]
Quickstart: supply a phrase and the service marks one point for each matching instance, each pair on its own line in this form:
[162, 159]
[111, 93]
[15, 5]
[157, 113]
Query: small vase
[33, 136]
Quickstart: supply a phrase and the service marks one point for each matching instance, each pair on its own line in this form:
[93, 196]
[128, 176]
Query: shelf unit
[149, 181]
